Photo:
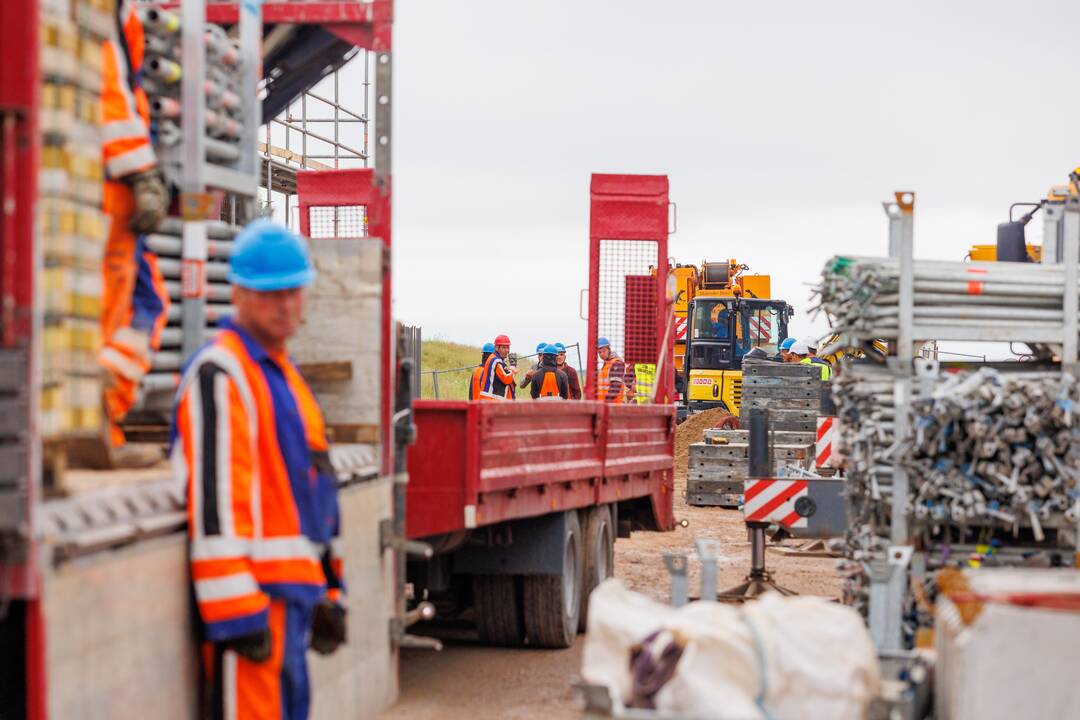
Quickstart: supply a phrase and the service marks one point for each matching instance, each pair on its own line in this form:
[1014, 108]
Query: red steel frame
[630, 207]
[366, 25]
[20, 151]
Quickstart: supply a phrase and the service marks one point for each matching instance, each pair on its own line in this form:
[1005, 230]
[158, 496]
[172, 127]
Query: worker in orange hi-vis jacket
[497, 378]
[610, 381]
[135, 302]
[478, 371]
[250, 443]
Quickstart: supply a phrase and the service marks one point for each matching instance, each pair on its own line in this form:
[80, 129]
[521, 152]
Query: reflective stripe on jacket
[250, 444]
[826, 369]
[125, 110]
[496, 380]
[609, 381]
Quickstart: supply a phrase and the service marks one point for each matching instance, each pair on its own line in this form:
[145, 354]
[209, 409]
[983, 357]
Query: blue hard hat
[788, 342]
[488, 347]
[550, 349]
[560, 347]
[540, 347]
[268, 256]
[602, 343]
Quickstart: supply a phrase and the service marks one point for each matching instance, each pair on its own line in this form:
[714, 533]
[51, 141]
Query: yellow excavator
[721, 314]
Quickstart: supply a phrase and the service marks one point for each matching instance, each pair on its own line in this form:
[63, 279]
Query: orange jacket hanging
[125, 121]
[250, 443]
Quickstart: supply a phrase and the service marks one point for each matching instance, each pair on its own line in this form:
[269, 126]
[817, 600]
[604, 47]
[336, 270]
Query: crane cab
[720, 332]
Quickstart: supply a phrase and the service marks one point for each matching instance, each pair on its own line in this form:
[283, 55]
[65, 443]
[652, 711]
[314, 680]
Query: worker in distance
[497, 378]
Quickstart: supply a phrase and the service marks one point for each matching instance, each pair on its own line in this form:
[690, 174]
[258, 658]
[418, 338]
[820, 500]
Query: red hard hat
[502, 340]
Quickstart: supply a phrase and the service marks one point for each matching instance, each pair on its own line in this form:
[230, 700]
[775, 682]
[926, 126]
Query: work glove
[327, 627]
[255, 647]
[151, 201]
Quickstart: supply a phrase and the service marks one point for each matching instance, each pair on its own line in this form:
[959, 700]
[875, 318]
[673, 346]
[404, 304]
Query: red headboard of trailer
[628, 268]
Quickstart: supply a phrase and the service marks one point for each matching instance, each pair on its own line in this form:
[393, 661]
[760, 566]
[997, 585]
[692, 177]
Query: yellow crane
[721, 314]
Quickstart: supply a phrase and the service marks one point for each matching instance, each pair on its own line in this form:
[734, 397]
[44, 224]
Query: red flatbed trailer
[481, 463]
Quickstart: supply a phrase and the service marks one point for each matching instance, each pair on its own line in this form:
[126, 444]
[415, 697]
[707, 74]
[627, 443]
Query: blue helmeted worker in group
[478, 371]
[549, 382]
[785, 349]
[497, 378]
[250, 444]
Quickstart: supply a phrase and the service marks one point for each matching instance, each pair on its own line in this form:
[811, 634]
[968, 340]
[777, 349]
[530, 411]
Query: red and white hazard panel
[827, 457]
[777, 501]
[680, 328]
[760, 328]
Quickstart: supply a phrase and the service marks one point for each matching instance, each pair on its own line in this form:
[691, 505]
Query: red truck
[521, 502]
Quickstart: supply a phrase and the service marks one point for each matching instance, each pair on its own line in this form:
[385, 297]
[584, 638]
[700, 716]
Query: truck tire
[552, 603]
[498, 612]
[599, 555]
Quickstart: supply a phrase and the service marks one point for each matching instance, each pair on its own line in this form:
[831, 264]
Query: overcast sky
[781, 126]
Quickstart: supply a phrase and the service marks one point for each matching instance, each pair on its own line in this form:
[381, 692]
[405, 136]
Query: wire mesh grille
[626, 306]
[345, 221]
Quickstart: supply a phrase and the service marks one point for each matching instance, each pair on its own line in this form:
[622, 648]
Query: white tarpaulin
[781, 658]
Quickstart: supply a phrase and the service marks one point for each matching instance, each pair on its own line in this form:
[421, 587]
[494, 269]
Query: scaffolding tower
[316, 131]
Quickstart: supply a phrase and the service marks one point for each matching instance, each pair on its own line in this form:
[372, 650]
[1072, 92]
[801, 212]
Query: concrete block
[343, 324]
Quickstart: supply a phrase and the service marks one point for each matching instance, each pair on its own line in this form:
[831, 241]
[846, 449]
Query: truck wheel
[496, 605]
[599, 555]
[552, 603]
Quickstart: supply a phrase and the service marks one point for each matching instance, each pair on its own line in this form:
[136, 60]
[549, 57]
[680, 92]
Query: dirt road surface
[475, 682]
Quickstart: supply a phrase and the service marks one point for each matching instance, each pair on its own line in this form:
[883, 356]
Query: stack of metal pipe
[1003, 301]
[167, 243]
[990, 450]
[864, 437]
[162, 81]
[991, 455]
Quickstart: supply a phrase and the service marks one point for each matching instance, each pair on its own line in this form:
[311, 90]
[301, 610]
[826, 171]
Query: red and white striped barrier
[680, 328]
[826, 434]
[773, 501]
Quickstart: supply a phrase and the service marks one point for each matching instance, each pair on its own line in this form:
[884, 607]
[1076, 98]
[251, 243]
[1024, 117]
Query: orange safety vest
[550, 386]
[250, 444]
[125, 110]
[604, 378]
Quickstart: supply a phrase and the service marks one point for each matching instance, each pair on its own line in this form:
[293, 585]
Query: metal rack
[315, 132]
[889, 573]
